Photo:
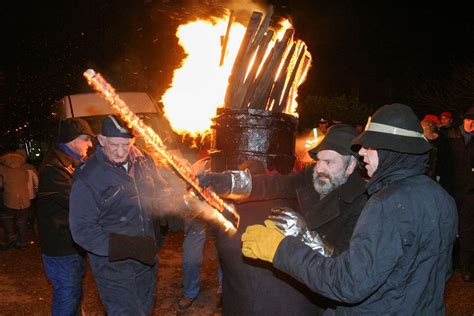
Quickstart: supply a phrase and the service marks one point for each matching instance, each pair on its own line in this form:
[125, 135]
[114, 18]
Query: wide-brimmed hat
[393, 127]
[72, 128]
[114, 127]
[337, 138]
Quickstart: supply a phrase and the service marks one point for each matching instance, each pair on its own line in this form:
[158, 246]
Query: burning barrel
[252, 134]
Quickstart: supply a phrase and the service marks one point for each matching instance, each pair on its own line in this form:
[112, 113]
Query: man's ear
[351, 167]
[101, 140]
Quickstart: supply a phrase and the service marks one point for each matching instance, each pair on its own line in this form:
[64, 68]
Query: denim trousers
[193, 246]
[65, 274]
[126, 287]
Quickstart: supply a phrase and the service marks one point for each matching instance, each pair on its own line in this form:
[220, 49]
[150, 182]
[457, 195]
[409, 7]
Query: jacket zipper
[140, 206]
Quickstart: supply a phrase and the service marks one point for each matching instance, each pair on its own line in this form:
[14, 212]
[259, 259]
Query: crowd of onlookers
[451, 164]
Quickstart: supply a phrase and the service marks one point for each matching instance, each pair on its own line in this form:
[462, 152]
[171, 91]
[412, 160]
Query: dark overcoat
[399, 257]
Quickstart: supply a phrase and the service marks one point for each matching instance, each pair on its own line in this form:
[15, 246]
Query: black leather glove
[141, 248]
[221, 183]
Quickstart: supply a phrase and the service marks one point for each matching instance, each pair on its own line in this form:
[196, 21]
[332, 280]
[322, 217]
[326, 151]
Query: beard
[332, 182]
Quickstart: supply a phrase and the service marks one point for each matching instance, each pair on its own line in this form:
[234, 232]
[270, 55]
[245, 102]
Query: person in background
[438, 156]
[399, 258]
[461, 186]
[14, 173]
[114, 199]
[445, 124]
[323, 126]
[196, 231]
[63, 260]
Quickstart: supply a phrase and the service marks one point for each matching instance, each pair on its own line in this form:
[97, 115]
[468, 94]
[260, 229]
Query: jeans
[126, 287]
[65, 274]
[193, 246]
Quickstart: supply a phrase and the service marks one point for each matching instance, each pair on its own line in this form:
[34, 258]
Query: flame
[198, 87]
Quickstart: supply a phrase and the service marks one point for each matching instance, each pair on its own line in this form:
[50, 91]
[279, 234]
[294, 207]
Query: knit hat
[71, 128]
[431, 117]
[112, 126]
[338, 138]
[447, 114]
[394, 127]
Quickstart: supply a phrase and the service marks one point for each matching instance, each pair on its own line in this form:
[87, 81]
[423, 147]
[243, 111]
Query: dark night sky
[376, 49]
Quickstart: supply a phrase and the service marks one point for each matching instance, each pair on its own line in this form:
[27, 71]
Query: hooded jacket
[15, 177]
[399, 257]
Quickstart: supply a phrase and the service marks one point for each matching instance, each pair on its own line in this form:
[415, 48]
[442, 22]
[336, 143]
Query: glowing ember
[229, 215]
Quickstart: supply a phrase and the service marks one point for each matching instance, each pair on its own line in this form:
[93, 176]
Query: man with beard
[399, 257]
[330, 194]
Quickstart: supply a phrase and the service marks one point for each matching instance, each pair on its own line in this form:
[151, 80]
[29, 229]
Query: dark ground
[24, 289]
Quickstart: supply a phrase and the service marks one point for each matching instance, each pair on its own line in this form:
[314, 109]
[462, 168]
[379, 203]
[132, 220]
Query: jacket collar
[319, 212]
[68, 161]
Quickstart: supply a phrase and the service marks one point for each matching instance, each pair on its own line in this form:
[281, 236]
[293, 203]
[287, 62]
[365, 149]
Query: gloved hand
[141, 248]
[221, 183]
[293, 224]
[288, 221]
[230, 184]
[261, 242]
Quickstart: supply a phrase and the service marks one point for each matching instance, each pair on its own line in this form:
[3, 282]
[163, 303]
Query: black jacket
[333, 217]
[399, 257]
[254, 287]
[55, 181]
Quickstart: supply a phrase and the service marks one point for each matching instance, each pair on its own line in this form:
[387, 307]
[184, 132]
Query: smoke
[242, 8]
[178, 204]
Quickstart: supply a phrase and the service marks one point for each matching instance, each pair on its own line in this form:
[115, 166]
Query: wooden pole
[226, 38]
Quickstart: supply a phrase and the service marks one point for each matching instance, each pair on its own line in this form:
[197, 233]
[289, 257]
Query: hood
[13, 160]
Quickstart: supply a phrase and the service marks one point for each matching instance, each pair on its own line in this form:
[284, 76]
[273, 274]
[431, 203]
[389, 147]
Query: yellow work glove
[261, 242]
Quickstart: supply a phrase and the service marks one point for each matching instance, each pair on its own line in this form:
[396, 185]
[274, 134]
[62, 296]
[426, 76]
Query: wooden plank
[265, 81]
[277, 90]
[290, 85]
[238, 72]
[241, 98]
[226, 38]
[290, 107]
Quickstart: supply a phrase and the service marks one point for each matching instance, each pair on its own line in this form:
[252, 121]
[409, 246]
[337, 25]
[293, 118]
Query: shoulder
[91, 168]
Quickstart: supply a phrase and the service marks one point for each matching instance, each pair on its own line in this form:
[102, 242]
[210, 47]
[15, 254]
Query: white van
[93, 108]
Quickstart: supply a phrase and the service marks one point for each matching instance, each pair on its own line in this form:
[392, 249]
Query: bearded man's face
[330, 172]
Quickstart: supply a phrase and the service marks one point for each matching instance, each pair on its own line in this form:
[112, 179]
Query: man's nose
[121, 151]
[320, 167]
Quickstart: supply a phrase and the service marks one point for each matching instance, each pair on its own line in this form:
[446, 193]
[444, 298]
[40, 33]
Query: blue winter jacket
[105, 199]
[399, 257]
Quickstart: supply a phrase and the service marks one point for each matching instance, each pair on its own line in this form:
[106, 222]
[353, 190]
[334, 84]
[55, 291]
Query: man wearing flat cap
[63, 259]
[113, 198]
[330, 195]
[399, 257]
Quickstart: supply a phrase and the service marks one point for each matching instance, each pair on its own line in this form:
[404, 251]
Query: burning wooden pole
[264, 78]
[228, 215]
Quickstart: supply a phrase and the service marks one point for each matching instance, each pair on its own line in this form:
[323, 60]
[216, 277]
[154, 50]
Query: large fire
[199, 85]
